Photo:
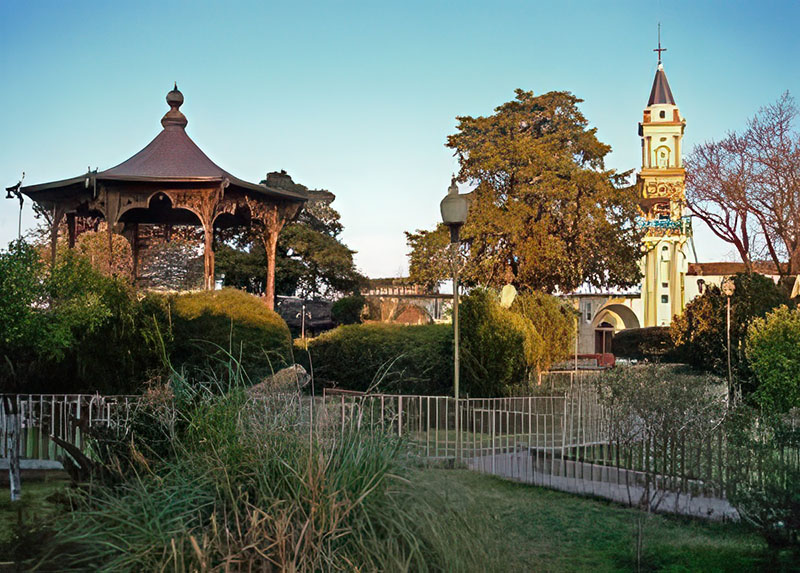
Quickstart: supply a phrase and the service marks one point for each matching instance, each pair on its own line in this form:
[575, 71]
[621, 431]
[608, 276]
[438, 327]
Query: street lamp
[728, 288]
[454, 214]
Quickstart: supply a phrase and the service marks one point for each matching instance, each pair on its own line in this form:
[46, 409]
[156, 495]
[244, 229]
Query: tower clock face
[661, 210]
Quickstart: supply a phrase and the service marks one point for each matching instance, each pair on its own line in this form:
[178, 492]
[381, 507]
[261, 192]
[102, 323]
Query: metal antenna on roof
[659, 49]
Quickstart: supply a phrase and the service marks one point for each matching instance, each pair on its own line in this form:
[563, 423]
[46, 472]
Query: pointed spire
[660, 93]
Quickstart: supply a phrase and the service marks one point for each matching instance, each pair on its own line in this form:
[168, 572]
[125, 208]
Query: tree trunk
[12, 439]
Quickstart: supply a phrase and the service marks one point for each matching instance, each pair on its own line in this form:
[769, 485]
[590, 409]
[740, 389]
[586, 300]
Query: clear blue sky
[358, 98]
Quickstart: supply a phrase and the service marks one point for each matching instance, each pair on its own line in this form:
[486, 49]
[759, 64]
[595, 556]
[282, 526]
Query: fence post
[493, 434]
[400, 416]
[564, 439]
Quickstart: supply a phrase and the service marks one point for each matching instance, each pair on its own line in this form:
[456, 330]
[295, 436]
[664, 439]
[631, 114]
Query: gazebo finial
[174, 117]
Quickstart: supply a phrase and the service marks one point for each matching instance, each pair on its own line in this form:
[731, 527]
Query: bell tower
[662, 201]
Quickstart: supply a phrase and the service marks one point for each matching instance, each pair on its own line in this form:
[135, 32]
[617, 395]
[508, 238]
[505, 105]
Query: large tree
[546, 214]
[746, 186]
[311, 259]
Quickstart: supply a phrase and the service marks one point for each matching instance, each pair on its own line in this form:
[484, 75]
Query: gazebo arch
[172, 166]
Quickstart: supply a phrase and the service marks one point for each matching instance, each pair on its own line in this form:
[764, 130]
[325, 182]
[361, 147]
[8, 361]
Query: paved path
[518, 466]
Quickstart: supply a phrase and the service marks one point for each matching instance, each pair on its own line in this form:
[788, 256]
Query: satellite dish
[507, 296]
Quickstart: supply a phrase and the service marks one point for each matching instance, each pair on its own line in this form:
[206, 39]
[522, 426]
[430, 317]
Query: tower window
[665, 298]
[663, 114]
[664, 285]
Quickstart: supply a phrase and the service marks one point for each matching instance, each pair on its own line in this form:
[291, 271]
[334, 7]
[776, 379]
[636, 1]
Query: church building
[669, 279]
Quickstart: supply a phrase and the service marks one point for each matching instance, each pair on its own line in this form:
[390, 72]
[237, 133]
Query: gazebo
[171, 181]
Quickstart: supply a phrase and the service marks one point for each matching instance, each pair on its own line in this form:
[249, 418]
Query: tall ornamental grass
[246, 485]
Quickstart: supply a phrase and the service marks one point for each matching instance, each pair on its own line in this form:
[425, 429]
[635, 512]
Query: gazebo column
[208, 256]
[71, 230]
[58, 214]
[270, 240]
[112, 214]
[131, 232]
[272, 219]
[135, 250]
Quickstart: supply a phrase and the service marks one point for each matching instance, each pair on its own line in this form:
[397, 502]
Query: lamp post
[454, 214]
[728, 289]
[302, 315]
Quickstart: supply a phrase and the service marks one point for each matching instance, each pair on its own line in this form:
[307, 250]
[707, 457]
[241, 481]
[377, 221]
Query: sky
[359, 98]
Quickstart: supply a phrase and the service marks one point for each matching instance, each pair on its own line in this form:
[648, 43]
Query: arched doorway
[603, 334]
[609, 320]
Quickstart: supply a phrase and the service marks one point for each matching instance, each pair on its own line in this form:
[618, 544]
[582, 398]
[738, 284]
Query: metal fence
[564, 440]
[66, 416]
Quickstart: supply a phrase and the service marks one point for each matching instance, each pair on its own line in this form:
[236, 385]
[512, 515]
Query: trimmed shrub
[653, 343]
[347, 310]
[498, 346]
[773, 349]
[398, 358]
[553, 320]
[209, 325]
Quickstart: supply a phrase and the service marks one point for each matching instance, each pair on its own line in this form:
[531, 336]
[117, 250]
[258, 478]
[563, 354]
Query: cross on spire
[659, 49]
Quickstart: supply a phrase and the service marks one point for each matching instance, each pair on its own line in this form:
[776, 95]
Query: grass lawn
[527, 528]
[33, 504]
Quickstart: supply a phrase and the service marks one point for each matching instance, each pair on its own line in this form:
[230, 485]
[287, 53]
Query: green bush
[553, 320]
[400, 358]
[499, 346]
[347, 310]
[653, 343]
[71, 329]
[700, 332]
[207, 326]
[773, 349]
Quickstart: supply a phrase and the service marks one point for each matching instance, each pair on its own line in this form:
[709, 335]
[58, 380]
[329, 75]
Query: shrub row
[653, 343]
[385, 357]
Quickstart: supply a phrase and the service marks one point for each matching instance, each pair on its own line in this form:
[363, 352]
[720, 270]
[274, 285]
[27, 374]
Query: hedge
[209, 325]
[499, 346]
[394, 358]
[652, 343]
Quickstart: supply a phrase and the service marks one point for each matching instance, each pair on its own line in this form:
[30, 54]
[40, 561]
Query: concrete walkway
[519, 466]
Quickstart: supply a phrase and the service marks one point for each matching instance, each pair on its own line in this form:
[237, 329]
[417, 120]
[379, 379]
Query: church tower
[663, 204]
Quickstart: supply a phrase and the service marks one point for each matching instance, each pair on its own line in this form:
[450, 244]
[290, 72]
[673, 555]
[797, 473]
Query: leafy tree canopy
[700, 333]
[545, 213]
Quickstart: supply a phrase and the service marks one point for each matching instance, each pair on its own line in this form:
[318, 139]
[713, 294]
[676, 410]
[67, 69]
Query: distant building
[399, 300]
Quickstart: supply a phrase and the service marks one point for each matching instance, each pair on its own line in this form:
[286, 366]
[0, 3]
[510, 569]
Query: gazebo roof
[172, 157]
